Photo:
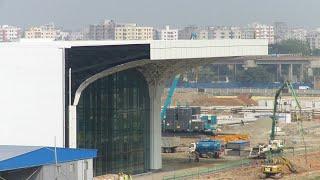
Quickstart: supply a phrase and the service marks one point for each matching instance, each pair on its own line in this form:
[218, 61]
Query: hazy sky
[73, 14]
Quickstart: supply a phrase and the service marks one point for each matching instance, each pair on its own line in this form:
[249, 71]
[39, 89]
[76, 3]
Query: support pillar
[290, 72]
[218, 72]
[279, 72]
[310, 71]
[235, 72]
[155, 92]
[72, 126]
[301, 73]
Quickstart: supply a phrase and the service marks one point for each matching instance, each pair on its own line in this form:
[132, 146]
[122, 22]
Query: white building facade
[297, 34]
[263, 31]
[9, 33]
[47, 31]
[133, 32]
[168, 34]
[313, 39]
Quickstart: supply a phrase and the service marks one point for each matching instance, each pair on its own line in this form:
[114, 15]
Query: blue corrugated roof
[18, 157]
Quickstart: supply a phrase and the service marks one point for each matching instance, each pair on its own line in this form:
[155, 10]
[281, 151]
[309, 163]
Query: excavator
[274, 167]
[274, 146]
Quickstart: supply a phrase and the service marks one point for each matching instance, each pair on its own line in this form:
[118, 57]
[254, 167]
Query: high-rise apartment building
[47, 31]
[9, 33]
[133, 32]
[263, 31]
[168, 34]
[76, 35]
[188, 32]
[247, 33]
[203, 34]
[235, 32]
[281, 31]
[258, 31]
[1, 35]
[297, 34]
[313, 39]
[103, 31]
[222, 32]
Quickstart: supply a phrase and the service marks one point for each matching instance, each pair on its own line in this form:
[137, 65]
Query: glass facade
[113, 116]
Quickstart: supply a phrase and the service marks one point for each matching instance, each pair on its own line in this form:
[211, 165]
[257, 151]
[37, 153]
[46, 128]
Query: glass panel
[113, 117]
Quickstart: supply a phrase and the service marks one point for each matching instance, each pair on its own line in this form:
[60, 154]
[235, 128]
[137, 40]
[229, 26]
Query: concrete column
[310, 72]
[290, 72]
[279, 72]
[73, 126]
[155, 92]
[235, 72]
[301, 72]
[218, 72]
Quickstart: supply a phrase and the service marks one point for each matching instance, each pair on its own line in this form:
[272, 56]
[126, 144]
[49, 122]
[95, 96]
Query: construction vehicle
[170, 144]
[168, 100]
[259, 151]
[274, 167]
[275, 145]
[205, 149]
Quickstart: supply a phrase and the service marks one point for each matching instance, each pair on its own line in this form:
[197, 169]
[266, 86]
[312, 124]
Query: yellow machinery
[275, 165]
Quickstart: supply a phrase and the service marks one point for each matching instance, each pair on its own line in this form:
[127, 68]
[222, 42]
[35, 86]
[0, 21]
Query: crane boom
[169, 97]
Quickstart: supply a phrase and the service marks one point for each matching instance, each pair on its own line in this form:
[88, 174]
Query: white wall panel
[207, 48]
[31, 96]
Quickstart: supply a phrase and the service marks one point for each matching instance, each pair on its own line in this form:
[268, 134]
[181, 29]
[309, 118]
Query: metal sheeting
[7, 152]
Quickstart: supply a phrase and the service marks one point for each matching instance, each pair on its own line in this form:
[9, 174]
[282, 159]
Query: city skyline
[74, 14]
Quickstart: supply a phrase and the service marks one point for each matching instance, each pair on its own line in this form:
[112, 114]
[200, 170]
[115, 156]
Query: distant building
[9, 33]
[64, 36]
[224, 32]
[169, 34]
[203, 34]
[313, 39]
[258, 31]
[235, 33]
[220, 33]
[1, 35]
[186, 32]
[47, 31]
[103, 31]
[247, 33]
[133, 32]
[76, 35]
[156, 34]
[281, 31]
[297, 33]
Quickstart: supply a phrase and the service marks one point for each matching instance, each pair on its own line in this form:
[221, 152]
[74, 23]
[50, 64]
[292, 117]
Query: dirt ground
[203, 99]
[310, 170]
[258, 132]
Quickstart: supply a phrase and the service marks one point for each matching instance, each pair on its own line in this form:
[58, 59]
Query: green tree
[316, 52]
[256, 74]
[290, 46]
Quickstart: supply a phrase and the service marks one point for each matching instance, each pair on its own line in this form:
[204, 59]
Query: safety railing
[206, 171]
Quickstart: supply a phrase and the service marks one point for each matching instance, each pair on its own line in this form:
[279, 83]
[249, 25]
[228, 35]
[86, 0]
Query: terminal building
[103, 95]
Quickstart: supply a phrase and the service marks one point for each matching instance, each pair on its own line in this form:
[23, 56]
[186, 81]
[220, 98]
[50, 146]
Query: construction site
[205, 136]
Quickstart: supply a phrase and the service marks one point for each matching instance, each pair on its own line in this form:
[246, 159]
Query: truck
[170, 144]
[205, 149]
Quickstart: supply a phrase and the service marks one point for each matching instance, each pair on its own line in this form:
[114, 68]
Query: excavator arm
[275, 105]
